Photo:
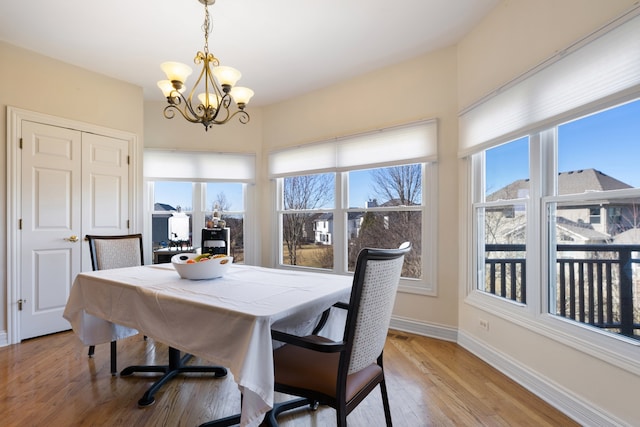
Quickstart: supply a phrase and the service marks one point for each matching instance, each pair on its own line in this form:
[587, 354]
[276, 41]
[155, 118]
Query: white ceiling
[282, 47]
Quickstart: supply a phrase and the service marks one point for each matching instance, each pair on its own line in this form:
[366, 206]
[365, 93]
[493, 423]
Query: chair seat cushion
[306, 369]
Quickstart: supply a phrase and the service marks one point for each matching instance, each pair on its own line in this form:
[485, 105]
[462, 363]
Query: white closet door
[73, 184]
[51, 229]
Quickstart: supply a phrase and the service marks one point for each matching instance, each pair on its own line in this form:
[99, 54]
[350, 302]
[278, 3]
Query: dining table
[225, 320]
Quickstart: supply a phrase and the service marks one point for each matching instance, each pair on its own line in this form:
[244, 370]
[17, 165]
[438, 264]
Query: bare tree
[395, 186]
[222, 202]
[301, 193]
[400, 185]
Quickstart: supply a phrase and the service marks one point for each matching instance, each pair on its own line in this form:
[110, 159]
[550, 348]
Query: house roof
[583, 230]
[163, 207]
[572, 182]
[587, 180]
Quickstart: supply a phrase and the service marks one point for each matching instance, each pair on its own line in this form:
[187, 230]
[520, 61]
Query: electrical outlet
[484, 324]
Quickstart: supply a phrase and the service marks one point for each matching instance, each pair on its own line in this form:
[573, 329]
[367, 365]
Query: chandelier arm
[243, 117]
[169, 113]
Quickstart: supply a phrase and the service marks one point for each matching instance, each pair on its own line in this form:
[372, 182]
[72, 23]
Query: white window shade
[417, 142]
[605, 67]
[197, 165]
[311, 157]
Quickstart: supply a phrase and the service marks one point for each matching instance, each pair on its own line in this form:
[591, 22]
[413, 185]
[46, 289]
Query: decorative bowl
[189, 267]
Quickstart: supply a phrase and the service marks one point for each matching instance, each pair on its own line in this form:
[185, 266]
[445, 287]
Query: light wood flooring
[50, 381]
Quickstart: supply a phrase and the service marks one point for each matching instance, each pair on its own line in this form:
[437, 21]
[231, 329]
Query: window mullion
[536, 246]
[197, 216]
[339, 221]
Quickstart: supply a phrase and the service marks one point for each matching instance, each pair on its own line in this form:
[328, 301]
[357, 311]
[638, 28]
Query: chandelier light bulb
[241, 95]
[226, 76]
[176, 71]
[167, 87]
[210, 100]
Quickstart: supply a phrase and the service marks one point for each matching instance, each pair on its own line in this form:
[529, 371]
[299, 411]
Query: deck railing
[596, 284]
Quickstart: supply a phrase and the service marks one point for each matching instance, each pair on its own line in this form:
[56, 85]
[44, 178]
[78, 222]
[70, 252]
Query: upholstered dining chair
[341, 374]
[109, 252]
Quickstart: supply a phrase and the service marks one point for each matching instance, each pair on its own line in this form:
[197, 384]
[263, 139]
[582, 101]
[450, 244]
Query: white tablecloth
[226, 321]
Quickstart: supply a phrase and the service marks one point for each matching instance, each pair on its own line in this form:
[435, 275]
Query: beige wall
[517, 36]
[424, 87]
[36, 83]
[178, 133]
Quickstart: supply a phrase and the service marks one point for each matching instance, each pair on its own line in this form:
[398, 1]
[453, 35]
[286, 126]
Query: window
[307, 218]
[185, 188]
[596, 279]
[501, 220]
[592, 261]
[173, 225]
[172, 213]
[385, 209]
[337, 197]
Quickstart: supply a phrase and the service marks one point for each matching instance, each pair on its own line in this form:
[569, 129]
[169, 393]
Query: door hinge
[20, 224]
[128, 160]
[128, 225]
[20, 144]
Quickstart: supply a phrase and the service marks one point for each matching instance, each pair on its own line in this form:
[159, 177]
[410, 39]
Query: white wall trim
[446, 333]
[568, 403]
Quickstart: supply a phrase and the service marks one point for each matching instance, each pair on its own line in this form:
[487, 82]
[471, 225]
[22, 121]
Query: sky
[180, 194]
[608, 141]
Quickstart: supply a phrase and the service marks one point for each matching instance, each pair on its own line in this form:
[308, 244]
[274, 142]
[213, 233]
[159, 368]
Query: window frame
[426, 285]
[535, 315]
[198, 212]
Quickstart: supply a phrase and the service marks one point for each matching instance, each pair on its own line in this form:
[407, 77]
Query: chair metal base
[278, 408]
[269, 418]
[177, 365]
[232, 420]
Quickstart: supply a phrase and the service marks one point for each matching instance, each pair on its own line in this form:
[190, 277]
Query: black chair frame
[344, 347]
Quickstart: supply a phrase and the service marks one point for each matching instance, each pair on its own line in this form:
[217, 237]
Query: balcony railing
[596, 284]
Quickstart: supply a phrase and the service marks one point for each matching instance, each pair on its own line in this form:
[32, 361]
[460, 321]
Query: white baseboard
[4, 339]
[568, 403]
[445, 333]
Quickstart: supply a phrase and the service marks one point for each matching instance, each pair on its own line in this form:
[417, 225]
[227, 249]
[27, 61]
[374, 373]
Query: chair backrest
[115, 251]
[375, 283]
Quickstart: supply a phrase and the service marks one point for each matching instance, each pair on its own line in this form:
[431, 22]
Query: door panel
[105, 183]
[50, 258]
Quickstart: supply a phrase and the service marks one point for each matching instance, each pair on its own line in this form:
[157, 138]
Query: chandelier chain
[206, 27]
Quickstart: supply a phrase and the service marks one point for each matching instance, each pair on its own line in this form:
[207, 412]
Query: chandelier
[213, 105]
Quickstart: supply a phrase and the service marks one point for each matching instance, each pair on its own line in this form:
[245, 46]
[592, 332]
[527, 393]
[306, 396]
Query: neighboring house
[323, 229]
[323, 224]
[596, 223]
[160, 224]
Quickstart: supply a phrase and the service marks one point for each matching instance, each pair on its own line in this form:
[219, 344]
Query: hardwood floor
[50, 381]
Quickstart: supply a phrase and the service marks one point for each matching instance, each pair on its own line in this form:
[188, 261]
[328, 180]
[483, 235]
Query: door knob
[72, 238]
[20, 302]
